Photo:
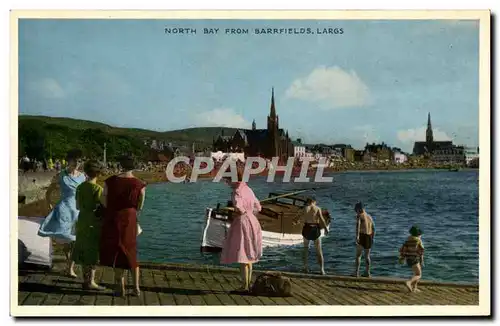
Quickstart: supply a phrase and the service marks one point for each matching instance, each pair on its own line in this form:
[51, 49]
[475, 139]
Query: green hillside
[41, 136]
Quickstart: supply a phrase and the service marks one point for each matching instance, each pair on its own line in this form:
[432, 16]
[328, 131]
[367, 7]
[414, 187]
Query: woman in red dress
[123, 196]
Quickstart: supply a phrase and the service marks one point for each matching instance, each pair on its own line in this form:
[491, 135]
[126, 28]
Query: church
[429, 146]
[270, 142]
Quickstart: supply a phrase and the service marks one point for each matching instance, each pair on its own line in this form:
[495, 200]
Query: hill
[42, 136]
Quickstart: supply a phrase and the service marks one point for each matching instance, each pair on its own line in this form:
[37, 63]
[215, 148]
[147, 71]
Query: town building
[400, 157]
[299, 149]
[441, 152]
[270, 142]
[378, 152]
[471, 153]
[348, 154]
[428, 146]
[450, 155]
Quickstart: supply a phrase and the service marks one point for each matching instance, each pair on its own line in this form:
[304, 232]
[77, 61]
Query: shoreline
[155, 177]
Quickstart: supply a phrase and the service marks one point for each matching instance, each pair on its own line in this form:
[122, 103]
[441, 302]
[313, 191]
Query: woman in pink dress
[243, 244]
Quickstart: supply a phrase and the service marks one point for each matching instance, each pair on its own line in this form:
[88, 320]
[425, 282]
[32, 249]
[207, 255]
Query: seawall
[34, 185]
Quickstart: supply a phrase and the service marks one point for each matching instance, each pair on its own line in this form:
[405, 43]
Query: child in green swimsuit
[413, 252]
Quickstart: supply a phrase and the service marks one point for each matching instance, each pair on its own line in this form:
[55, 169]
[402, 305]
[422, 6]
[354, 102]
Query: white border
[484, 140]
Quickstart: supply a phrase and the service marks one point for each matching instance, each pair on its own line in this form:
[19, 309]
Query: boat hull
[217, 226]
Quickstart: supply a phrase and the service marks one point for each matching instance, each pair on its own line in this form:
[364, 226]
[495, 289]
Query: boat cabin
[280, 213]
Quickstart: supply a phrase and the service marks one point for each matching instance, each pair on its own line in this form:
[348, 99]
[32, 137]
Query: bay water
[444, 204]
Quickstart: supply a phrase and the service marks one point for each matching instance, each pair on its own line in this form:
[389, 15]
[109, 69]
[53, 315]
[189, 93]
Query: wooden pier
[180, 284]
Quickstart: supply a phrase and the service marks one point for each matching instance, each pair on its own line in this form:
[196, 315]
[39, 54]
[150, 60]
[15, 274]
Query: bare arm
[421, 250]
[142, 198]
[358, 226]
[322, 219]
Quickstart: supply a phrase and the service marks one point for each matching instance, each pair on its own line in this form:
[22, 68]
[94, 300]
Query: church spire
[273, 109]
[429, 137]
[254, 125]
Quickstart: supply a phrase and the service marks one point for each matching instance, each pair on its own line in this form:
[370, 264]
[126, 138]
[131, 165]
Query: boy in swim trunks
[413, 252]
[313, 223]
[365, 231]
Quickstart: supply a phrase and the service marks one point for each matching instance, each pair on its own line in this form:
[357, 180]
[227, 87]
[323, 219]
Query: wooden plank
[104, 277]
[208, 297]
[160, 281]
[36, 285]
[318, 292]
[196, 297]
[230, 283]
[21, 296]
[216, 288]
[174, 281]
[300, 289]
[150, 288]
[353, 293]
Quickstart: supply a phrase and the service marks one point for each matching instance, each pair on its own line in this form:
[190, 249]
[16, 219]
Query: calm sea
[444, 204]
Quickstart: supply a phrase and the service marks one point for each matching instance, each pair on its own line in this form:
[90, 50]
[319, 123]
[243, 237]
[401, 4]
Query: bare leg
[417, 270]
[119, 282]
[306, 255]
[89, 278]
[68, 250]
[250, 270]
[319, 255]
[367, 262]
[359, 251]
[416, 276]
[244, 276]
[136, 275]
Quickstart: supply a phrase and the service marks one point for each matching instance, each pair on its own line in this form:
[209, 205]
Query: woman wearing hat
[413, 252]
[88, 226]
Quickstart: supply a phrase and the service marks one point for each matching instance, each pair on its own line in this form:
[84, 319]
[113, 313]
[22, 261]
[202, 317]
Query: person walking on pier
[365, 232]
[243, 244]
[311, 231]
[60, 222]
[88, 226]
[123, 198]
[413, 252]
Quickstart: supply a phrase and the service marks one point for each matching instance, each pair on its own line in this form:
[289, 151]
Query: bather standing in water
[313, 223]
[365, 231]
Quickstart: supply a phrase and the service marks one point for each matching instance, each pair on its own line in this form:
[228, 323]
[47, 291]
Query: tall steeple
[273, 130]
[429, 137]
[273, 108]
[254, 125]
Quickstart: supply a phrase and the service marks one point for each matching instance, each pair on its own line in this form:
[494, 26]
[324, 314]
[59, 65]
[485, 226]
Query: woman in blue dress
[60, 223]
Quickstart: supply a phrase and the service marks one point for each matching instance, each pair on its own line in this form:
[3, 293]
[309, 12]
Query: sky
[375, 82]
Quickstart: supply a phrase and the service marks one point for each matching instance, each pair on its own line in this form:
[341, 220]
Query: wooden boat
[276, 220]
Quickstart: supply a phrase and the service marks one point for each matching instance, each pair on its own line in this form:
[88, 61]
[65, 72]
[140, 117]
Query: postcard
[182, 163]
